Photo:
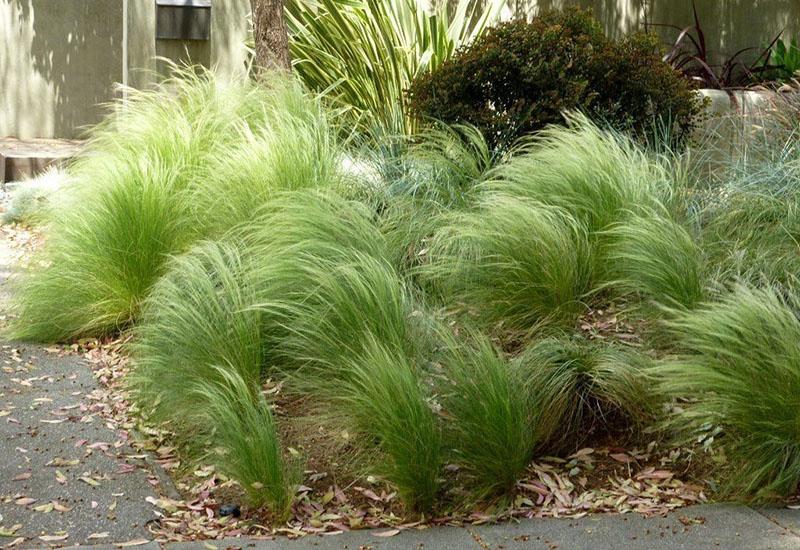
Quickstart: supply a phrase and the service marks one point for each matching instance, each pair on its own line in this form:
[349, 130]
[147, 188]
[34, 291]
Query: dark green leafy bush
[520, 77]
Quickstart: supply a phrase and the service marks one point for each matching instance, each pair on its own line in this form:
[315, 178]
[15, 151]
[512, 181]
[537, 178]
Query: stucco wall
[60, 59]
[729, 25]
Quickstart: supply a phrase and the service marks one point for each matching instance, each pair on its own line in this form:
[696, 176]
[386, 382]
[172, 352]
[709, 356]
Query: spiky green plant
[137, 191]
[514, 263]
[594, 174]
[490, 420]
[584, 388]
[247, 442]
[365, 53]
[653, 256]
[740, 369]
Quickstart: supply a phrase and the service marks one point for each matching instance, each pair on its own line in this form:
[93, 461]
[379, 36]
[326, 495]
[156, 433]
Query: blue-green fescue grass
[515, 264]
[740, 369]
[438, 172]
[594, 174]
[586, 388]
[442, 164]
[490, 418]
[752, 233]
[137, 190]
[245, 438]
[31, 200]
[651, 256]
[750, 213]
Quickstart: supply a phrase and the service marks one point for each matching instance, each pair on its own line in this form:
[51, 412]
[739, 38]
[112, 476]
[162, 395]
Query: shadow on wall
[730, 25]
[64, 56]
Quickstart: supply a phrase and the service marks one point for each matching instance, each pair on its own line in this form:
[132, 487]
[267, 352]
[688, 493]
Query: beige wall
[730, 25]
[60, 59]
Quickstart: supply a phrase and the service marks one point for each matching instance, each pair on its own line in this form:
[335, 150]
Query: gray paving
[73, 465]
[710, 527]
[50, 439]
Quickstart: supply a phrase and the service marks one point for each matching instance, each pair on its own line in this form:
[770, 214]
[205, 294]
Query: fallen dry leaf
[54, 538]
[135, 542]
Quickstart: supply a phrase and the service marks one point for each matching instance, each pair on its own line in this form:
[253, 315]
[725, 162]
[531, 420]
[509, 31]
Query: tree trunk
[271, 36]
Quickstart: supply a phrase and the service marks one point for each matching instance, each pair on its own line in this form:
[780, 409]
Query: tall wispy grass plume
[436, 172]
[513, 264]
[199, 364]
[752, 233]
[198, 318]
[246, 443]
[594, 174]
[137, 190]
[490, 419]
[382, 395]
[740, 370]
[654, 257]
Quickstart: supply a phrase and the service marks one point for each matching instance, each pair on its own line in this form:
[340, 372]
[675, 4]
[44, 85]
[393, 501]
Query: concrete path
[711, 527]
[64, 474]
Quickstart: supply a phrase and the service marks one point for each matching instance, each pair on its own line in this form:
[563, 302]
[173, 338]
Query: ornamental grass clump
[490, 419]
[751, 233]
[295, 149]
[144, 191]
[585, 389]
[652, 256]
[346, 337]
[740, 370]
[512, 265]
[382, 396]
[245, 441]
[197, 319]
[307, 296]
[199, 362]
[594, 174]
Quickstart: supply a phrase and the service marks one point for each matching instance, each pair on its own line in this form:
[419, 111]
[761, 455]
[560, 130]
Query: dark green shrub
[521, 76]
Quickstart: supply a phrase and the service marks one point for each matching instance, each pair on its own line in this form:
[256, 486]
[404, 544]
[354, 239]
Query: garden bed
[463, 329]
